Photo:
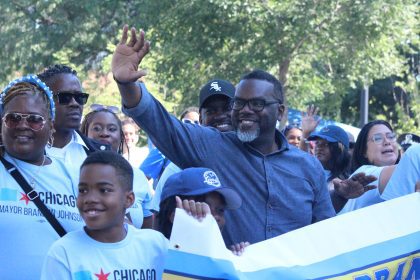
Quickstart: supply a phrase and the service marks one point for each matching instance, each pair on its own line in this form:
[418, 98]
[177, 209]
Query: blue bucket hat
[199, 181]
[331, 133]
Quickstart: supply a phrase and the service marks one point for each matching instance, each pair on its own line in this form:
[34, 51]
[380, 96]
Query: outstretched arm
[353, 187]
[125, 65]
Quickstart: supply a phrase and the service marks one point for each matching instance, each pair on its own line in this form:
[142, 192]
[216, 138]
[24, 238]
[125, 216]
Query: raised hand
[355, 186]
[198, 210]
[127, 56]
[309, 121]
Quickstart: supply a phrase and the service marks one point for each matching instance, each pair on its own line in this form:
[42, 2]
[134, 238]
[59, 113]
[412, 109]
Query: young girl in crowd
[102, 124]
[135, 155]
[293, 134]
[332, 150]
[27, 127]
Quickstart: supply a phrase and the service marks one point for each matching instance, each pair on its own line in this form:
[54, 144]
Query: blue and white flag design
[377, 242]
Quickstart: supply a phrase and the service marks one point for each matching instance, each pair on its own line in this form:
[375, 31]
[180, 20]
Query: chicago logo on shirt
[118, 274]
[49, 198]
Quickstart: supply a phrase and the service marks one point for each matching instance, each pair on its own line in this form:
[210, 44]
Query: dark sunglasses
[99, 107]
[35, 122]
[65, 97]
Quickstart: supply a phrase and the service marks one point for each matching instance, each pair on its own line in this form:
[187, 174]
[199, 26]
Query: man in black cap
[215, 97]
[215, 111]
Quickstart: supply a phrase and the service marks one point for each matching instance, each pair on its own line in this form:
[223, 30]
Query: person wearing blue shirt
[282, 188]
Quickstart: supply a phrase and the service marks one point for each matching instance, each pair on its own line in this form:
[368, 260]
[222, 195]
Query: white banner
[377, 242]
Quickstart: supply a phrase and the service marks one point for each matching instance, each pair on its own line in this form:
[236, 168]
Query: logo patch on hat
[325, 129]
[210, 178]
[215, 86]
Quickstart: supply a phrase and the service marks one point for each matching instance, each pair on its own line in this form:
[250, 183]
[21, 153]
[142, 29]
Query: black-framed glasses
[99, 107]
[379, 138]
[255, 104]
[64, 97]
[35, 122]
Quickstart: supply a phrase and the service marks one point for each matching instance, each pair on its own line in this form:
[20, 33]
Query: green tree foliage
[320, 49]
[312, 46]
[38, 33]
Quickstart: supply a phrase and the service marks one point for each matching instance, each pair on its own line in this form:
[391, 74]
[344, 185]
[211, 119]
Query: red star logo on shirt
[102, 275]
[25, 198]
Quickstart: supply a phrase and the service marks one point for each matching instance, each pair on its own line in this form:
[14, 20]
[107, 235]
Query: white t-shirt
[169, 170]
[140, 255]
[73, 154]
[136, 156]
[368, 198]
[405, 175]
[26, 235]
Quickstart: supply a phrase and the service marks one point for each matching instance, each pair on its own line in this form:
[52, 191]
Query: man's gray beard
[247, 136]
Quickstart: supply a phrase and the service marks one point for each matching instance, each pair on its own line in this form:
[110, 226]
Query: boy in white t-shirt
[106, 248]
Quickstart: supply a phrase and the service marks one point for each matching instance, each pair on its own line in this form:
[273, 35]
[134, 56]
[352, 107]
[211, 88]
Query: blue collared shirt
[282, 191]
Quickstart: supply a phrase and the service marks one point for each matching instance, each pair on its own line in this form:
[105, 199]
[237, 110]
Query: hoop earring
[50, 141]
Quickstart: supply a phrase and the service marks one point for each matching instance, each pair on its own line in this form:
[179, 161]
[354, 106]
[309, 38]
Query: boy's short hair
[122, 167]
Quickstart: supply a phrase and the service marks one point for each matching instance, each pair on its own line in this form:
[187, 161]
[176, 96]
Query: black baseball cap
[216, 87]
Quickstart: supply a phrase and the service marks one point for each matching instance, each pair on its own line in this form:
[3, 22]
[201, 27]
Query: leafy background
[324, 51]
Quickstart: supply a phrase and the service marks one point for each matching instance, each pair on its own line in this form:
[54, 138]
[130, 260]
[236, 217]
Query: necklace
[32, 180]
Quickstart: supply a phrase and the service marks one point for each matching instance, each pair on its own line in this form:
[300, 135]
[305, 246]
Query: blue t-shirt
[281, 191]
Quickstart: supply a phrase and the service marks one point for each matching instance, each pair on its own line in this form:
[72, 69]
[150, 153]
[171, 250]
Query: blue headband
[32, 79]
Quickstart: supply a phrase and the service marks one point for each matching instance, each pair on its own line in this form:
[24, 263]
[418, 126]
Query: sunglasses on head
[99, 107]
[35, 122]
[190, 121]
[65, 97]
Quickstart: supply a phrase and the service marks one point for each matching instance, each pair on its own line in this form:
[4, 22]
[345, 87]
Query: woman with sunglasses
[103, 125]
[375, 153]
[27, 127]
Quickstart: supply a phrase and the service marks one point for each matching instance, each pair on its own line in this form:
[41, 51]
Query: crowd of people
[76, 197]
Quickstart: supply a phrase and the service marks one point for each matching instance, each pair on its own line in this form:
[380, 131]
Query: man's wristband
[121, 83]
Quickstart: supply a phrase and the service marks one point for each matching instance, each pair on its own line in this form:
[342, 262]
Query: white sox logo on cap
[215, 86]
[210, 178]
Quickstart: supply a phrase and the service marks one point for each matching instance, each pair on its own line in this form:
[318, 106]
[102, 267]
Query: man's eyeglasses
[379, 138]
[99, 107]
[35, 122]
[65, 97]
[255, 105]
[190, 121]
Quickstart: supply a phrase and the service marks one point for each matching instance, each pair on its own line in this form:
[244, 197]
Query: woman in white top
[102, 124]
[27, 126]
[375, 153]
